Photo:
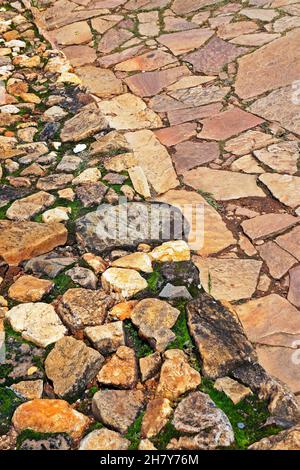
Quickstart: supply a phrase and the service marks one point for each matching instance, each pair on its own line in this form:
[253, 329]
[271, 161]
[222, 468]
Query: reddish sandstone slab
[267, 225]
[212, 57]
[227, 124]
[189, 155]
[185, 41]
[152, 83]
[182, 7]
[277, 259]
[113, 59]
[152, 60]
[179, 116]
[294, 290]
[276, 65]
[175, 134]
[80, 55]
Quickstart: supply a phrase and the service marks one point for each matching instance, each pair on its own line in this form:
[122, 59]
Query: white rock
[38, 323]
[90, 175]
[58, 214]
[79, 148]
[15, 43]
[127, 282]
[10, 109]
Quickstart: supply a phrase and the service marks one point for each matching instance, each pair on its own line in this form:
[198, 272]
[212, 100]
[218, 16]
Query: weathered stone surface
[155, 318]
[285, 440]
[106, 338]
[76, 33]
[80, 308]
[146, 444]
[216, 235]
[26, 208]
[267, 225]
[177, 376]
[199, 96]
[227, 124]
[138, 261]
[104, 439]
[214, 55]
[220, 339]
[29, 289]
[294, 286]
[91, 194]
[270, 320]
[157, 414]
[291, 242]
[173, 135]
[149, 224]
[114, 140]
[247, 164]
[234, 390]
[54, 181]
[127, 282]
[249, 141]
[198, 415]
[70, 366]
[28, 389]
[232, 30]
[175, 292]
[8, 194]
[150, 365]
[185, 41]
[281, 157]
[152, 83]
[55, 441]
[37, 322]
[286, 188]
[183, 272]
[177, 116]
[147, 149]
[117, 409]
[177, 250]
[280, 105]
[126, 112]
[228, 279]
[50, 416]
[120, 370]
[270, 74]
[87, 176]
[190, 5]
[223, 185]
[189, 155]
[151, 60]
[84, 124]
[101, 82]
[254, 39]
[23, 240]
[50, 264]
[83, 276]
[277, 260]
[80, 55]
[57, 214]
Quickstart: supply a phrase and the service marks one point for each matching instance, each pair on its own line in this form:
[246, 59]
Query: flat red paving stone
[294, 288]
[185, 41]
[212, 57]
[152, 60]
[117, 57]
[291, 242]
[152, 83]
[175, 134]
[189, 155]
[232, 30]
[227, 124]
[275, 65]
[267, 225]
[193, 114]
[187, 6]
[113, 39]
[145, 4]
[80, 55]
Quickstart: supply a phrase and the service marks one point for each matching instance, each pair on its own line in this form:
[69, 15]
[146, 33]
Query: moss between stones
[141, 348]
[9, 401]
[36, 436]
[134, 432]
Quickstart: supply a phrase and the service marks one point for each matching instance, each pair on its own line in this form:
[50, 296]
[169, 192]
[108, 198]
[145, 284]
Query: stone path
[191, 102]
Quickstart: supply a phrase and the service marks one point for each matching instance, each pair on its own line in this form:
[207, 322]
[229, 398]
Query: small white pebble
[79, 148]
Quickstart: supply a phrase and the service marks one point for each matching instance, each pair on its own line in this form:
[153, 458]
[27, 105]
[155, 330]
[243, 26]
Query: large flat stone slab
[286, 188]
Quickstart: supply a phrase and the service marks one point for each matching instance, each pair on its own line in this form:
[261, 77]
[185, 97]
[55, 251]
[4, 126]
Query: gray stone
[90, 194]
[50, 264]
[106, 338]
[175, 292]
[69, 164]
[83, 276]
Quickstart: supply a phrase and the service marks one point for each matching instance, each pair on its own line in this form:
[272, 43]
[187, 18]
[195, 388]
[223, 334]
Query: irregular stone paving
[174, 103]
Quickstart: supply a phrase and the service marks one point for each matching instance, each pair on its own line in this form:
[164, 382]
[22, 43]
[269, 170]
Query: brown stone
[227, 124]
[294, 287]
[80, 308]
[24, 209]
[100, 82]
[193, 114]
[152, 83]
[232, 30]
[269, 73]
[228, 279]
[255, 39]
[50, 416]
[29, 289]
[173, 135]
[28, 389]
[121, 369]
[291, 242]
[281, 157]
[270, 320]
[76, 33]
[80, 55]
[156, 417]
[185, 41]
[113, 39]
[84, 124]
[285, 440]
[177, 376]
[277, 260]
[212, 57]
[104, 439]
[152, 60]
[189, 6]
[223, 185]
[150, 365]
[24, 240]
[234, 390]
[267, 225]
[189, 155]
[119, 57]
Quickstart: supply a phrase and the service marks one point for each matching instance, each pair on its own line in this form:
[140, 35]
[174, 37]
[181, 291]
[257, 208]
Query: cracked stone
[106, 338]
[120, 370]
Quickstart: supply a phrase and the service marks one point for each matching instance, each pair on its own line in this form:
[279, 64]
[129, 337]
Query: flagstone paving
[167, 103]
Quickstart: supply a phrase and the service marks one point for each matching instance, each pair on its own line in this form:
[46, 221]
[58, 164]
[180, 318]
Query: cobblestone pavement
[184, 103]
